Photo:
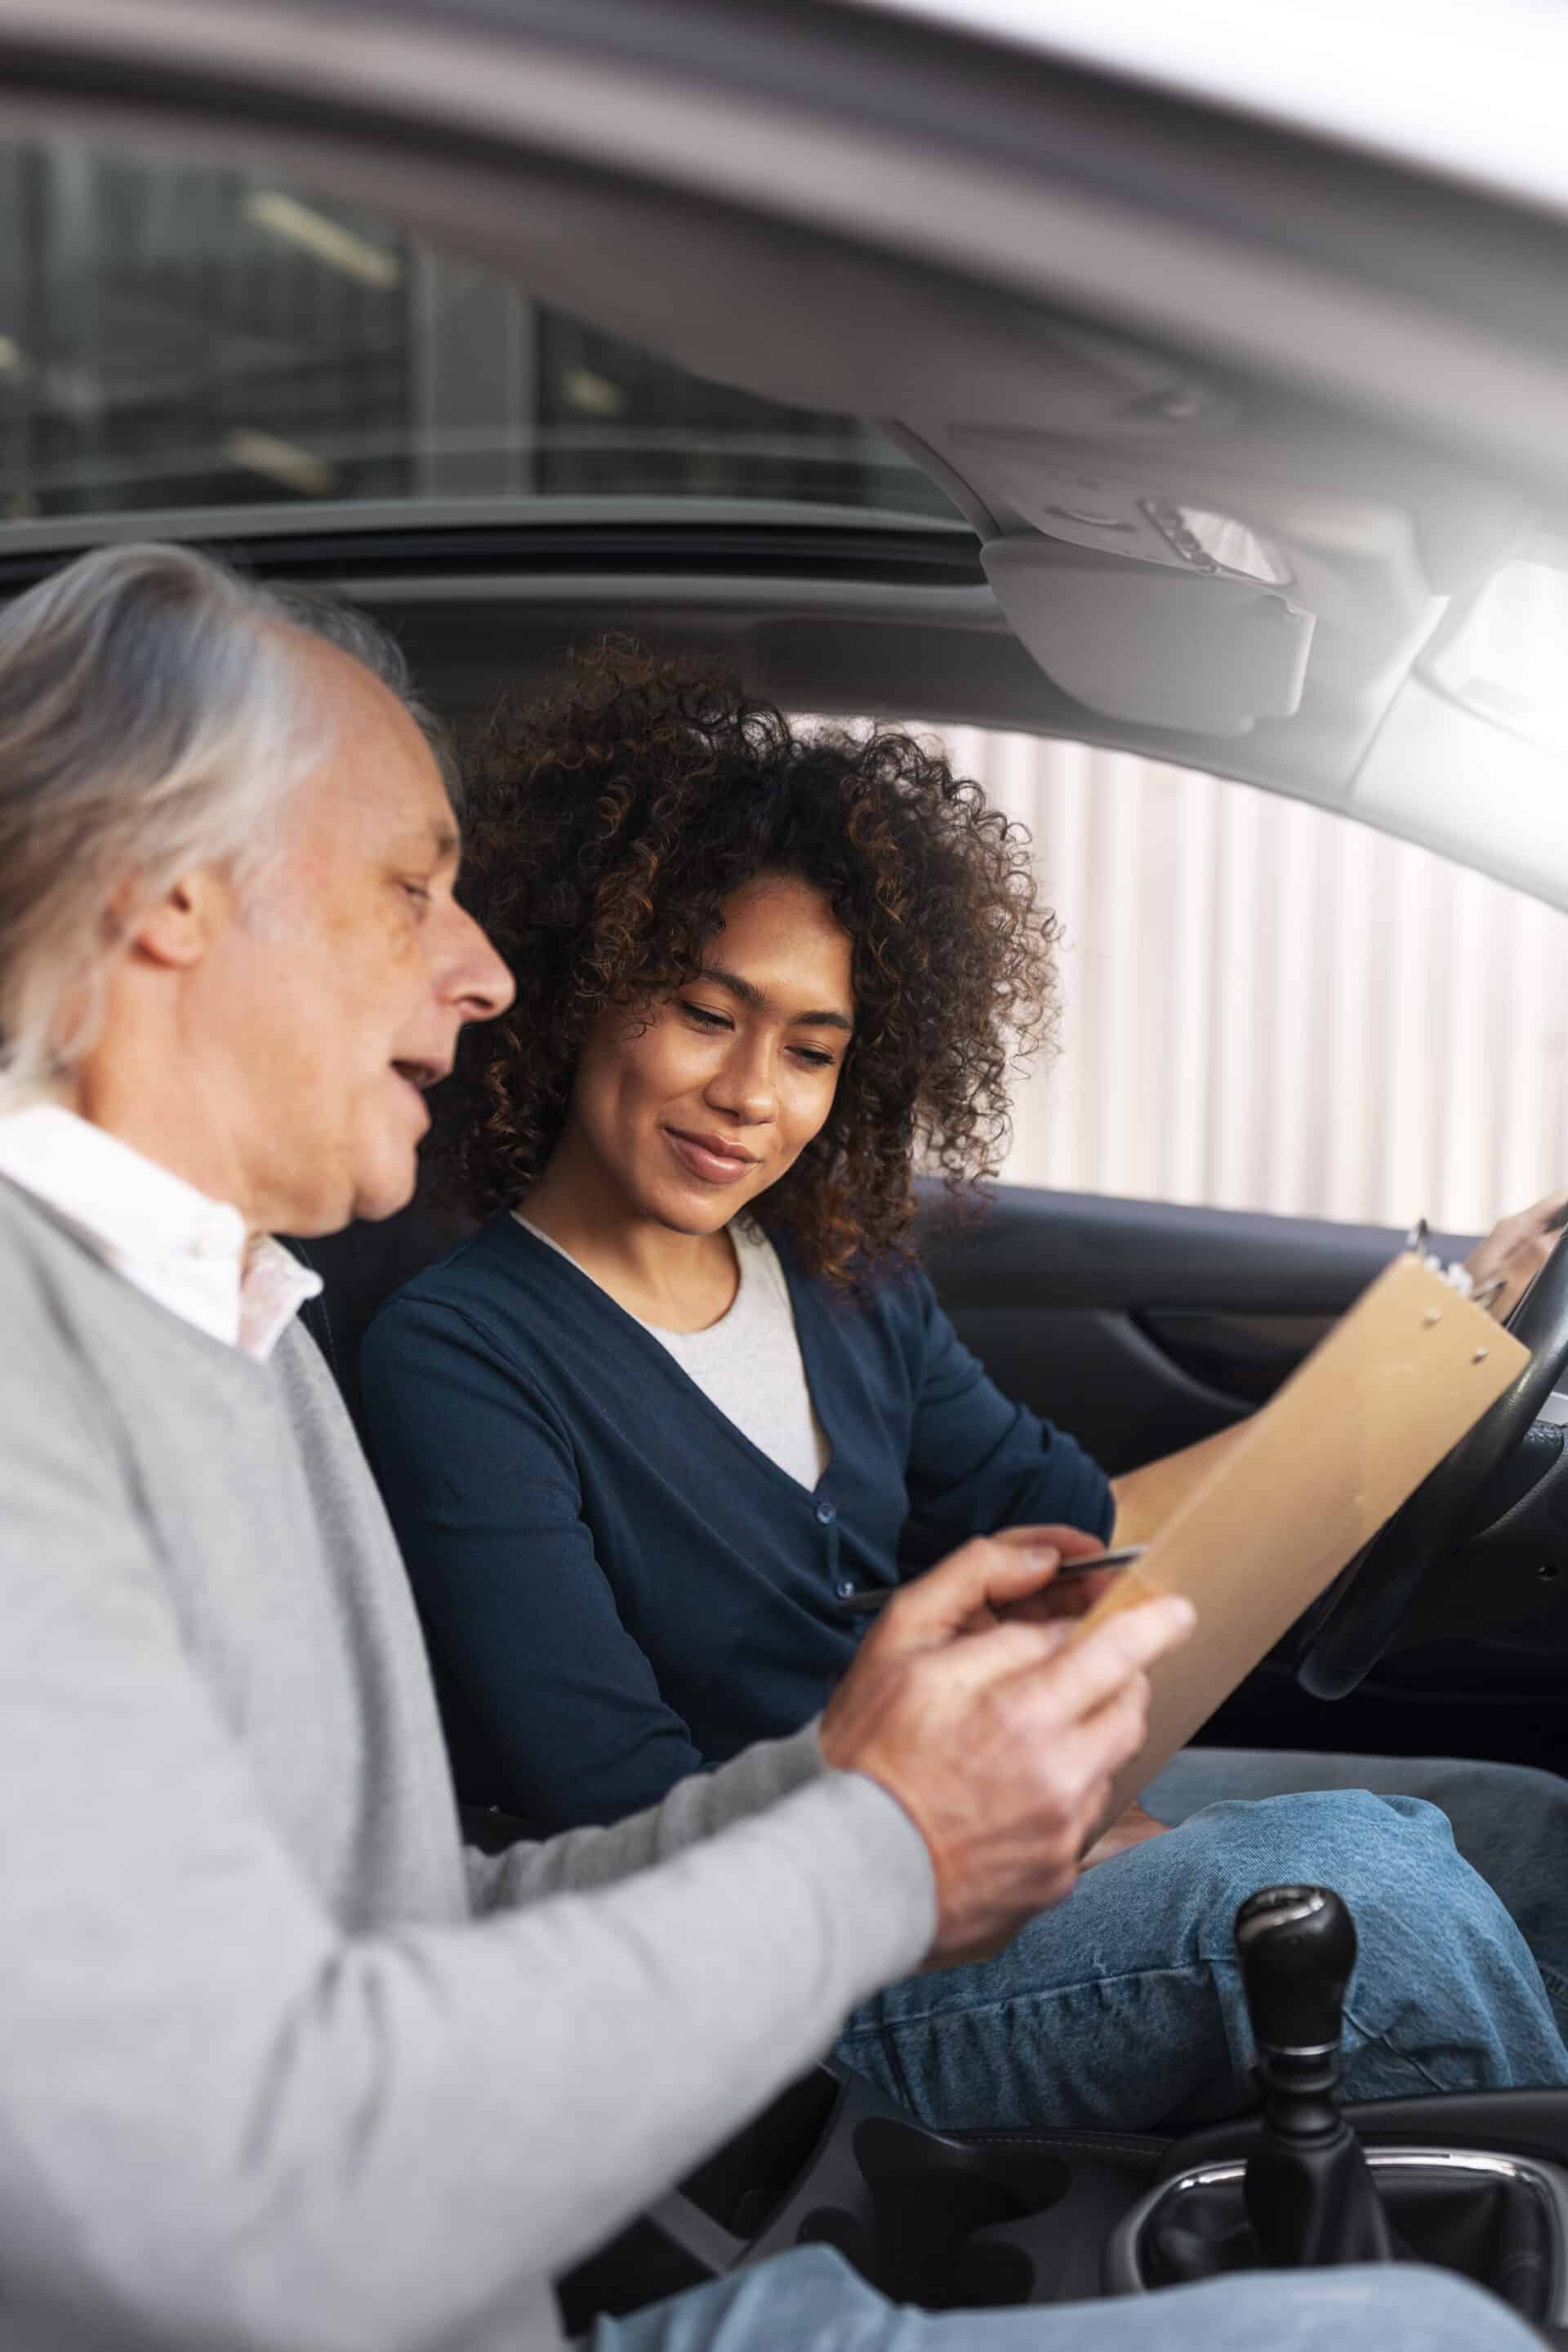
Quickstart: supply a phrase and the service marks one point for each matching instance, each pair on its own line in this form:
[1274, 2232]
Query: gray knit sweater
[279, 2066]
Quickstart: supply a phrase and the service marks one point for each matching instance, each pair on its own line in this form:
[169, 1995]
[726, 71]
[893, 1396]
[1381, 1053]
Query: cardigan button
[845, 1589]
[826, 1514]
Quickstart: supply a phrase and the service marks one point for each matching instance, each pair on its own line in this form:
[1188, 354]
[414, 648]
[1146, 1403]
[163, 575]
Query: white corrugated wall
[1270, 1007]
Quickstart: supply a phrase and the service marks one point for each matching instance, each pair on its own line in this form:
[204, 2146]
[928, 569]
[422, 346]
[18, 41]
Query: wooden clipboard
[1313, 1475]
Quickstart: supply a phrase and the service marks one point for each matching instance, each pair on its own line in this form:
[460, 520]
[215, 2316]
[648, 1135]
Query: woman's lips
[709, 1166]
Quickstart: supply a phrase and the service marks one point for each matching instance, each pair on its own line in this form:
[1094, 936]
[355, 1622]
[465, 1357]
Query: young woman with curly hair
[685, 1394]
[610, 828]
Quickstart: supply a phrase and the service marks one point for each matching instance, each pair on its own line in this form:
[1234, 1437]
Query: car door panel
[1144, 1325]
[1244, 1356]
[1099, 1375]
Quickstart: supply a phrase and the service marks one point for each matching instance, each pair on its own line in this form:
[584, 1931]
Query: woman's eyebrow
[750, 993]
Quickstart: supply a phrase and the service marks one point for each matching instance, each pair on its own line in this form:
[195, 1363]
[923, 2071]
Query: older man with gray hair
[280, 2065]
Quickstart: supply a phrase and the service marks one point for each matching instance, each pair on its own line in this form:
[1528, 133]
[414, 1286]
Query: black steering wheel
[1351, 1626]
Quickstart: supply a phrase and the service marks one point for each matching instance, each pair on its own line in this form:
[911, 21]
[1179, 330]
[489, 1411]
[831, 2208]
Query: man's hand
[1515, 1250]
[999, 1740]
[1047, 1598]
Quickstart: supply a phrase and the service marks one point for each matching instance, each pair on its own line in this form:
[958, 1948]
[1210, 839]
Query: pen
[866, 1604]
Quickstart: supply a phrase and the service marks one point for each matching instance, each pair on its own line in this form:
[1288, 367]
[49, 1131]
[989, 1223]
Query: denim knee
[1445, 1984]
[1382, 1853]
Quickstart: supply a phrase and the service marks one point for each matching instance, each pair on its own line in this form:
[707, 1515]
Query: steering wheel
[1357, 1618]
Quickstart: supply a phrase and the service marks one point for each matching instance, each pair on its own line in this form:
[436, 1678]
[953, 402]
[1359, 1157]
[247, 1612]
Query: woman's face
[701, 1109]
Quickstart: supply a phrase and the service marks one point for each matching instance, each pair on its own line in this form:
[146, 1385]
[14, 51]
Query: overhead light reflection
[593, 394]
[281, 461]
[328, 241]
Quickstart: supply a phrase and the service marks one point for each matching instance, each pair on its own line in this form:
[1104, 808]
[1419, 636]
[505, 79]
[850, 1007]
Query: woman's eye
[417, 891]
[813, 1060]
[704, 1019]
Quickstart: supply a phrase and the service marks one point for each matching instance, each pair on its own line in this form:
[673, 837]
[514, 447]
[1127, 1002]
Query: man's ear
[177, 929]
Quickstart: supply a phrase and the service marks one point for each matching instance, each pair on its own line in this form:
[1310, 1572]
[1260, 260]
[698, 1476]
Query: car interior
[1102, 416]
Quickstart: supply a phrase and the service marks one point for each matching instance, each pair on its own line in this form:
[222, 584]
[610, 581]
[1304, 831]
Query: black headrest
[360, 1269]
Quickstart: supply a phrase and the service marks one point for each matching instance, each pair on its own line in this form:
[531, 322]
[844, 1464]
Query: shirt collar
[175, 1243]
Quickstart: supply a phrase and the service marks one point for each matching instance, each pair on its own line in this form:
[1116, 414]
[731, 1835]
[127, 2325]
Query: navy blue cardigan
[617, 1586]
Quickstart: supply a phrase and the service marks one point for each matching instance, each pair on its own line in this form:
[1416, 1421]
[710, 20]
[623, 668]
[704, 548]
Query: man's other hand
[1515, 1250]
[1000, 1740]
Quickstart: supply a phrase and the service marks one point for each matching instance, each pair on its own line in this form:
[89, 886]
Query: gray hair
[155, 714]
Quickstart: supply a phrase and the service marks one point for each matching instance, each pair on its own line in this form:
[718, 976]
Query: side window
[1268, 1006]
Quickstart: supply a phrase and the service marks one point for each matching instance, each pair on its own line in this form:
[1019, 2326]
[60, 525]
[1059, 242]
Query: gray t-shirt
[749, 1362]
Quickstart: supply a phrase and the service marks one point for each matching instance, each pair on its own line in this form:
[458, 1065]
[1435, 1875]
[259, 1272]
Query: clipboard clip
[1418, 1242]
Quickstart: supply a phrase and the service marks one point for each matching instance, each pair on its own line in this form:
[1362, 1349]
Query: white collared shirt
[187, 1251]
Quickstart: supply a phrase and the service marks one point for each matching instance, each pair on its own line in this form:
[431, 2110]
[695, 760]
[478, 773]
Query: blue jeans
[811, 2301]
[1125, 2007]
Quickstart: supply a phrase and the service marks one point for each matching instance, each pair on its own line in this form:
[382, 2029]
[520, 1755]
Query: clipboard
[1314, 1474]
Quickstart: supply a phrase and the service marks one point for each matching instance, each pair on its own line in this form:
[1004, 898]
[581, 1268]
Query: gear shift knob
[1310, 2195]
[1296, 1946]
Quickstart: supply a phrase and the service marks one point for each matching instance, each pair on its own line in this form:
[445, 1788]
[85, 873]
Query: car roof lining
[1379, 526]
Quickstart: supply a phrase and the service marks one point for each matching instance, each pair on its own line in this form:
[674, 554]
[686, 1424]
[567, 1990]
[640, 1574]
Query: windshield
[175, 338]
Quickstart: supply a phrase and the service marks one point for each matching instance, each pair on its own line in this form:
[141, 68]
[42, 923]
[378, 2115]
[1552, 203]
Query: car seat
[360, 1269]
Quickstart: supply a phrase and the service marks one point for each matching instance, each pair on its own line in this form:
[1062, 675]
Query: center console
[950, 2220]
[1477, 2183]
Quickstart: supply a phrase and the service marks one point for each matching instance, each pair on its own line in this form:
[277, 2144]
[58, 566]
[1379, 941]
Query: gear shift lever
[1310, 2195]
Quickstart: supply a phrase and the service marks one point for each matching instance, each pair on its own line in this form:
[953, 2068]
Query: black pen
[866, 1604]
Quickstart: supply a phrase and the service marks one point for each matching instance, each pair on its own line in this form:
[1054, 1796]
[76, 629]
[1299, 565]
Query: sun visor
[1149, 644]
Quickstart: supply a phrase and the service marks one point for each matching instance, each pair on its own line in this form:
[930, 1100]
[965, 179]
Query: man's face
[338, 995]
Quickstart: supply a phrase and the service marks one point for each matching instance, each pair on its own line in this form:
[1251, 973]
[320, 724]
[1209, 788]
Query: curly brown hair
[608, 826]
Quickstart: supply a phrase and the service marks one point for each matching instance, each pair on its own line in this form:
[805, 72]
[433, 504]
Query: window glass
[1268, 1006]
[174, 338]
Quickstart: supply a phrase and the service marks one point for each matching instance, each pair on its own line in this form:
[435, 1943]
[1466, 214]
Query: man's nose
[474, 979]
